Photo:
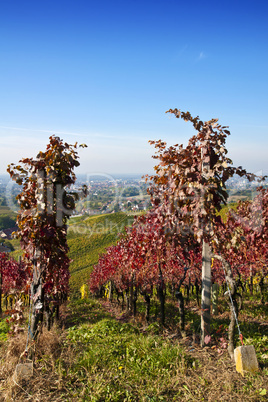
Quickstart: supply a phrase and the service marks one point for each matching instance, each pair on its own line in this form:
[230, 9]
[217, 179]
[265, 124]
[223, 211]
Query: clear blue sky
[104, 73]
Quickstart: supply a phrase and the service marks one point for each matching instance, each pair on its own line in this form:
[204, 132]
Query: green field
[88, 237]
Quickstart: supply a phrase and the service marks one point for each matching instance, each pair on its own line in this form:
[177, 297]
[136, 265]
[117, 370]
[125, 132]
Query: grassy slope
[103, 355]
[88, 238]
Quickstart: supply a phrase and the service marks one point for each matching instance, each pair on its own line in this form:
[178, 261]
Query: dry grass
[45, 353]
[215, 379]
[61, 372]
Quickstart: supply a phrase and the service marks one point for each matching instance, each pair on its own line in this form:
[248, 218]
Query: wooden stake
[206, 277]
[206, 292]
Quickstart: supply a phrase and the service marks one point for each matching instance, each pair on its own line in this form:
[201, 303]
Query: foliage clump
[45, 205]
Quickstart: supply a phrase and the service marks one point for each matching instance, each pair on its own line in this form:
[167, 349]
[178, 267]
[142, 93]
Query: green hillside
[88, 237]
[7, 218]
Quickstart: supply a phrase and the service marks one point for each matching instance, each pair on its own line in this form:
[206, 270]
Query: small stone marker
[245, 359]
[24, 371]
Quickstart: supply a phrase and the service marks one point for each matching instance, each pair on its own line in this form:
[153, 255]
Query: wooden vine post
[48, 203]
[37, 295]
[206, 271]
[37, 290]
[206, 292]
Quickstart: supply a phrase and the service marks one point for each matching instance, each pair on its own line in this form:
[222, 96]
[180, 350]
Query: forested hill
[88, 237]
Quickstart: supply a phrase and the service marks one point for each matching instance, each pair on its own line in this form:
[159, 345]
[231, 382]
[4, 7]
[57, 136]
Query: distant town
[112, 194]
[127, 193]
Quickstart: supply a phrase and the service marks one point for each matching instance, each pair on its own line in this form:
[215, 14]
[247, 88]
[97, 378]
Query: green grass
[126, 365]
[4, 328]
[116, 361]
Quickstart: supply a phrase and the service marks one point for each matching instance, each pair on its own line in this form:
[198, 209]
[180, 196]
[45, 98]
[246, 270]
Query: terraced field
[88, 237]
